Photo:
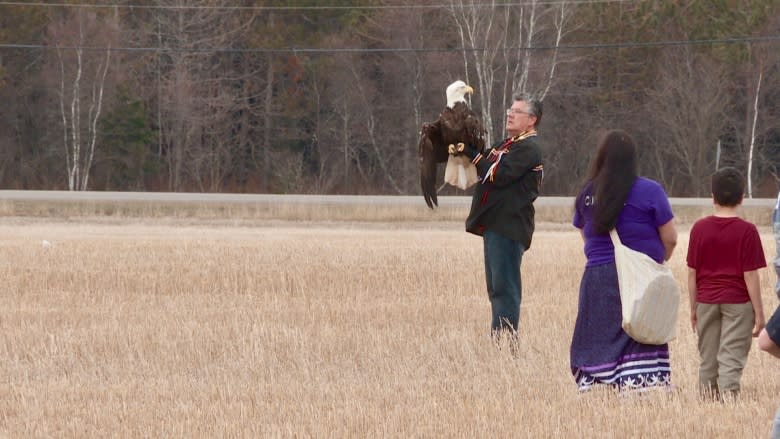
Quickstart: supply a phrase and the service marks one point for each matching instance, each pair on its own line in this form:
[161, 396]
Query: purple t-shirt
[646, 209]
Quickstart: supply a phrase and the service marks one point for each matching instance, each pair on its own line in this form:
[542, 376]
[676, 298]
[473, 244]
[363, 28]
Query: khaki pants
[725, 336]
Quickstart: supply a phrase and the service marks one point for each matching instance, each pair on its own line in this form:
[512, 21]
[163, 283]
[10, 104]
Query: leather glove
[471, 151]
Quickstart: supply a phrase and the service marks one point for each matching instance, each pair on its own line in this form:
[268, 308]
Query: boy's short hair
[728, 187]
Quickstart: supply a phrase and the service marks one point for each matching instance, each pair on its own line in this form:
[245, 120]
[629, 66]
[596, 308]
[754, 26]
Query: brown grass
[181, 328]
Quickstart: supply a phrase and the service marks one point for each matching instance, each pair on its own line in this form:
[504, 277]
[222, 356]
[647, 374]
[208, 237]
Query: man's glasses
[516, 111]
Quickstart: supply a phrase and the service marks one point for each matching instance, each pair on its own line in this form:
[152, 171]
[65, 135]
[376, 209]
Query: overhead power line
[305, 8]
[338, 50]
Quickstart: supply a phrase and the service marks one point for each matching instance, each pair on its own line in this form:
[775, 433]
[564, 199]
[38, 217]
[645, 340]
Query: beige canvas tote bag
[649, 295]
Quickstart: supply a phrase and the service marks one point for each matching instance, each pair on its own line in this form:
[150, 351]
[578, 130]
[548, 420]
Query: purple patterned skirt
[601, 352]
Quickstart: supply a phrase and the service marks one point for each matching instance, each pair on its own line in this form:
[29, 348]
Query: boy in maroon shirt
[724, 255]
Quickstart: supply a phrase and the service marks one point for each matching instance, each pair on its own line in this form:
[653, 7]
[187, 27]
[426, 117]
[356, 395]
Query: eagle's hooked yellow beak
[469, 89]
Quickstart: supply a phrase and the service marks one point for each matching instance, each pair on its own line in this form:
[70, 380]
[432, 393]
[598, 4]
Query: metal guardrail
[176, 197]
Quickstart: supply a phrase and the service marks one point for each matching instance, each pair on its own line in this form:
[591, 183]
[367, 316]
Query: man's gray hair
[534, 105]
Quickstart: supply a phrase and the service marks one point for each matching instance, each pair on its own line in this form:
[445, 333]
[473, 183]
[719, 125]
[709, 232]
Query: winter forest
[317, 97]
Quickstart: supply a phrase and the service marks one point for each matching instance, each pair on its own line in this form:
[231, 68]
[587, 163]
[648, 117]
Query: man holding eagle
[508, 178]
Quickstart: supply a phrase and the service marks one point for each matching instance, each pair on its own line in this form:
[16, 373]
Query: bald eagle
[457, 124]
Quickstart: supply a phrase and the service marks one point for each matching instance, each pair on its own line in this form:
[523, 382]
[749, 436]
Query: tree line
[232, 96]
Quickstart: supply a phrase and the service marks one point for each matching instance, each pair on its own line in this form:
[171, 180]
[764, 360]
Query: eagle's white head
[456, 92]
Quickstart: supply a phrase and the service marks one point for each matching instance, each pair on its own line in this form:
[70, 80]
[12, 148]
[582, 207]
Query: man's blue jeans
[502, 274]
[776, 232]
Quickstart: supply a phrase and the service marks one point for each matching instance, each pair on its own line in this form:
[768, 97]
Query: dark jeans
[502, 274]
[776, 232]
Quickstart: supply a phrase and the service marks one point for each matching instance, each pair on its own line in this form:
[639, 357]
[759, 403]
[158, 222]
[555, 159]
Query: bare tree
[82, 87]
[689, 105]
[752, 147]
[498, 42]
[415, 76]
[760, 77]
[194, 99]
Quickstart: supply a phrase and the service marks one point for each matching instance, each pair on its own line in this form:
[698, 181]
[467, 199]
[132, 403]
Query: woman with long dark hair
[614, 195]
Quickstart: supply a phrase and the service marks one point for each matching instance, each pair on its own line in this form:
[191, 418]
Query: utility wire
[308, 8]
[316, 51]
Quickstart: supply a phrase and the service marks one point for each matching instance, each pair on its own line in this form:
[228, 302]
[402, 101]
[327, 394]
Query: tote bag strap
[615, 237]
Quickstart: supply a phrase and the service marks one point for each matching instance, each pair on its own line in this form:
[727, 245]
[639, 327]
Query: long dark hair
[612, 173]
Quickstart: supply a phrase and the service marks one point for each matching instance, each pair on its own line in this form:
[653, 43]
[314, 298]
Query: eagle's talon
[451, 149]
[461, 146]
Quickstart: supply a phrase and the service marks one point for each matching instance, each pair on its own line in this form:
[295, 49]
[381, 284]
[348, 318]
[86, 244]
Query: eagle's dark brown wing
[432, 152]
[475, 132]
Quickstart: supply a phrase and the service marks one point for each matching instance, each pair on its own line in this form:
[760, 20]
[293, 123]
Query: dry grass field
[202, 328]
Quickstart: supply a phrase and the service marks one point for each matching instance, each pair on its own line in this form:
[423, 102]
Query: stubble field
[177, 328]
